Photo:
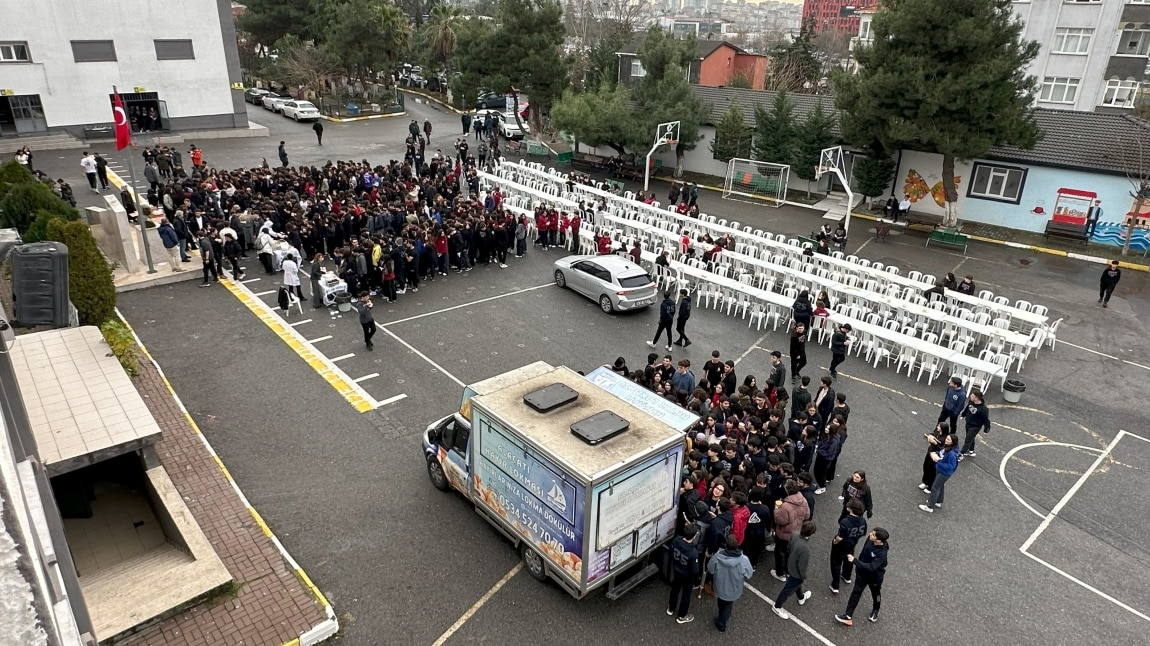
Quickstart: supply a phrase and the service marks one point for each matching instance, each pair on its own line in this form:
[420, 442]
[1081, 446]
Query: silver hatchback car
[615, 282]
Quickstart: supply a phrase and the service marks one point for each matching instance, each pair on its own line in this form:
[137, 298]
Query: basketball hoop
[821, 170]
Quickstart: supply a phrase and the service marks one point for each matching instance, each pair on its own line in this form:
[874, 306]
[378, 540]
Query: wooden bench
[918, 217]
[948, 237]
[1067, 230]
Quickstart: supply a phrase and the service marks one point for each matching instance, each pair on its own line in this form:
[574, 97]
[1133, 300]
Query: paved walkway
[272, 605]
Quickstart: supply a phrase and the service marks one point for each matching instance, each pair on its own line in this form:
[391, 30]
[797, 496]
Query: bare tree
[304, 65]
[1136, 160]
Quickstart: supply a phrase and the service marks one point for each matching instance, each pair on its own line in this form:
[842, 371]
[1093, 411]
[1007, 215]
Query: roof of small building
[703, 48]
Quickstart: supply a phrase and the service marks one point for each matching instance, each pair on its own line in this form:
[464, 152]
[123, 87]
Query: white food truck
[581, 474]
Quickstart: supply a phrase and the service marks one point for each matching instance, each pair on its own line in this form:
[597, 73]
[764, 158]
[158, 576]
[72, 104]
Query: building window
[1083, 1]
[1134, 42]
[93, 51]
[1002, 183]
[1072, 40]
[637, 70]
[1120, 94]
[14, 53]
[1058, 89]
[174, 50]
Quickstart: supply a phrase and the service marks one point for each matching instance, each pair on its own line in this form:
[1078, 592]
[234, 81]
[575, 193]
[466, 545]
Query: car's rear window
[640, 280]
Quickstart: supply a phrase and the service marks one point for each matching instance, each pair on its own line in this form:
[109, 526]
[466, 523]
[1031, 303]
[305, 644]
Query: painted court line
[324, 367]
[366, 377]
[1103, 354]
[478, 604]
[392, 400]
[455, 307]
[420, 354]
[344, 356]
[1058, 508]
[798, 622]
[300, 322]
[322, 338]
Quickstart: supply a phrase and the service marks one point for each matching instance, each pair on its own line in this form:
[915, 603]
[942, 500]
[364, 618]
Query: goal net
[748, 178]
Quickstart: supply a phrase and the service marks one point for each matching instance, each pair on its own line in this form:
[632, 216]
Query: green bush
[25, 201]
[38, 230]
[13, 173]
[91, 287]
[123, 345]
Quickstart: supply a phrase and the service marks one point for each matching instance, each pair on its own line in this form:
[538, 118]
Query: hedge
[91, 286]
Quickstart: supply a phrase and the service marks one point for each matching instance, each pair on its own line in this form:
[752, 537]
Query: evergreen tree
[814, 134]
[874, 175]
[732, 136]
[942, 77]
[775, 131]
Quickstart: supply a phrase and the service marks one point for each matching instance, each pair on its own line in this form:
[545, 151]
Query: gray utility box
[40, 284]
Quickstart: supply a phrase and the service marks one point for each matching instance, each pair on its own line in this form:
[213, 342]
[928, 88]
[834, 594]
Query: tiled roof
[720, 99]
[703, 48]
[1080, 140]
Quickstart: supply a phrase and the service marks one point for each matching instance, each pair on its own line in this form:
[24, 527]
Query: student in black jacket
[684, 314]
[977, 417]
[871, 565]
[802, 310]
[685, 566]
[839, 341]
[666, 318]
[1110, 277]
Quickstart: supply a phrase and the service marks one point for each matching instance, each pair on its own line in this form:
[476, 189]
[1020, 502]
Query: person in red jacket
[576, 223]
[604, 245]
[441, 251]
[742, 514]
[564, 226]
[541, 228]
[552, 229]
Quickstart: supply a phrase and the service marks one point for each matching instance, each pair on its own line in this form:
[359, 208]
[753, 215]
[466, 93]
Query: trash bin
[352, 110]
[1012, 390]
[343, 302]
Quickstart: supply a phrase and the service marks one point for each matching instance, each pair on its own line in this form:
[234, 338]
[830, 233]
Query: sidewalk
[272, 602]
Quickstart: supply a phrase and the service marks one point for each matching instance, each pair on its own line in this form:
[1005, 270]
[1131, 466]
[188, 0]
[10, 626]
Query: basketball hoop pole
[647, 165]
[666, 133]
[831, 161]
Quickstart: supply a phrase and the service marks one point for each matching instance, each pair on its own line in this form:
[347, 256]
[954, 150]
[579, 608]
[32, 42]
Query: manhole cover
[1024, 261]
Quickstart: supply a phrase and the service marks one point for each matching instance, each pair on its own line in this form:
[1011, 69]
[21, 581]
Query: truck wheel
[605, 304]
[533, 562]
[560, 279]
[435, 472]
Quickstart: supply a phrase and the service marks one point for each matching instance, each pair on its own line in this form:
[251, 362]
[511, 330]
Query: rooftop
[82, 406]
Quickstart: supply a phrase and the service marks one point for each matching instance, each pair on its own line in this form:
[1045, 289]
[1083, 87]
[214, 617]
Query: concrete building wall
[197, 92]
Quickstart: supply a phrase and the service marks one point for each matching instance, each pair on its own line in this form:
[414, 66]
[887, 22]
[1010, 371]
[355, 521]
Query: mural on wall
[917, 188]
[1071, 206]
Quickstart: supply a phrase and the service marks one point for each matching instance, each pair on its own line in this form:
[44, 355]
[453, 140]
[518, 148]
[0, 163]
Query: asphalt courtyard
[401, 562]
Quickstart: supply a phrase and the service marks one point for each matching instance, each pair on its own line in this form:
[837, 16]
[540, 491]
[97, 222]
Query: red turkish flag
[123, 128]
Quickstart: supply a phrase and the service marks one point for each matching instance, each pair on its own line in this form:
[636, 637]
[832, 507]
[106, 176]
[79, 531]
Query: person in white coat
[291, 275]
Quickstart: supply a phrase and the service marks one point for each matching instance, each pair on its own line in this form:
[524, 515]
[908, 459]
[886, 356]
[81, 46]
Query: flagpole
[135, 198]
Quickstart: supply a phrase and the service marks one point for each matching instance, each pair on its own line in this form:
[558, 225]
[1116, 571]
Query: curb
[366, 118]
[325, 628]
[428, 97]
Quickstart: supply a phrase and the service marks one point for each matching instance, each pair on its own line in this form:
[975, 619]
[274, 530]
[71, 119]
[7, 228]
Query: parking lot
[347, 490]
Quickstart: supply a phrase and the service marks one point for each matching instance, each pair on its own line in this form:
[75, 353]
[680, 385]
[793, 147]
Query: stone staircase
[55, 141]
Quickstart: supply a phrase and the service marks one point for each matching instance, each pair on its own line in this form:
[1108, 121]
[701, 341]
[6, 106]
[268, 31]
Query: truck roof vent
[548, 398]
[601, 426]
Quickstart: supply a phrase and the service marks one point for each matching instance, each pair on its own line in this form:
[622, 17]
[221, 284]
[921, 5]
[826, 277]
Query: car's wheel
[435, 472]
[482, 105]
[296, 117]
[605, 304]
[560, 279]
[533, 562]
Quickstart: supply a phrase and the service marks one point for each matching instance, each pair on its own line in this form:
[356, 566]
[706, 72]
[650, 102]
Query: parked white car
[274, 102]
[300, 110]
[510, 128]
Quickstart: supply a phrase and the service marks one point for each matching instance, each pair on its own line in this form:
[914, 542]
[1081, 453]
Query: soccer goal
[754, 179]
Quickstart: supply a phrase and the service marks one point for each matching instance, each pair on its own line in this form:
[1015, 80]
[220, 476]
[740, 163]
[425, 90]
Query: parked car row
[284, 104]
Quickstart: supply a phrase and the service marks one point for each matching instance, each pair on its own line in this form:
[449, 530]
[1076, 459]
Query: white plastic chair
[1041, 310]
[1023, 305]
[908, 357]
[931, 365]
[915, 276]
[1051, 334]
[986, 295]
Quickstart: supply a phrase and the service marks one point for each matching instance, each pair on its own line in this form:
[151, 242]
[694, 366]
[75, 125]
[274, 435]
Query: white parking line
[322, 338]
[250, 280]
[366, 377]
[270, 291]
[478, 604]
[1103, 354]
[420, 355]
[455, 307]
[392, 400]
[300, 322]
[343, 356]
[814, 633]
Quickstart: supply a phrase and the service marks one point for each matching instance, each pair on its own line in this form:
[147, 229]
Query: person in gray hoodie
[797, 562]
[730, 567]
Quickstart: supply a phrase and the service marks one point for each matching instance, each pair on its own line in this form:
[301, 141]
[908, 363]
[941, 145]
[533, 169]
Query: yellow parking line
[347, 390]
